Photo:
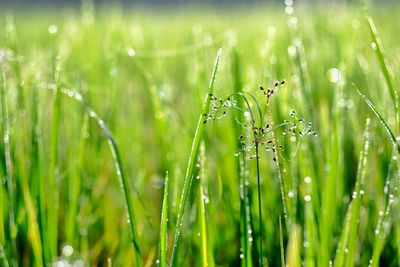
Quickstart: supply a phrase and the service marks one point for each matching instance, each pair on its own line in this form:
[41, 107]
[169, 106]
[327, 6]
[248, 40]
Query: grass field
[130, 139]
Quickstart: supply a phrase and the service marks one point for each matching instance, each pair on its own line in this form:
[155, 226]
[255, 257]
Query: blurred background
[167, 3]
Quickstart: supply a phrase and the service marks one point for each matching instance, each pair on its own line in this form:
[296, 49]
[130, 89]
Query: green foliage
[81, 84]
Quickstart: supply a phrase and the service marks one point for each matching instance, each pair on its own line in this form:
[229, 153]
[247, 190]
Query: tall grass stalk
[241, 164]
[192, 160]
[53, 197]
[162, 259]
[8, 171]
[202, 215]
[357, 195]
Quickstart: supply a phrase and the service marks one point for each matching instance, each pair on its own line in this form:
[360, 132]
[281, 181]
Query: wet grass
[206, 168]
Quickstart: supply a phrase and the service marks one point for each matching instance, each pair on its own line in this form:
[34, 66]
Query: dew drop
[67, 251]
[334, 75]
[53, 29]
[130, 51]
[289, 10]
[307, 179]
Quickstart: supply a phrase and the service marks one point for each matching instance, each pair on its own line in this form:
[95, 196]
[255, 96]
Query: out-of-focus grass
[146, 76]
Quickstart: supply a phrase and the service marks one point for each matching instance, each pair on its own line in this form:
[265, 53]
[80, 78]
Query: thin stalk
[202, 209]
[52, 216]
[283, 264]
[192, 160]
[241, 166]
[162, 259]
[260, 225]
[36, 173]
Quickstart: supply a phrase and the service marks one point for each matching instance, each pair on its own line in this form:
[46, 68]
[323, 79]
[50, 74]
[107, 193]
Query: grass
[204, 169]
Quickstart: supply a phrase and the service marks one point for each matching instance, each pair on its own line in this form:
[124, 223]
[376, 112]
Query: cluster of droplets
[259, 136]
[219, 107]
[296, 127]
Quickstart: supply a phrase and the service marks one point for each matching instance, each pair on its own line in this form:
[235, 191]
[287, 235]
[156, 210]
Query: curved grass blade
[192, 160]
[162, 259]
[123, 179]
[382, 120]
[384, 64]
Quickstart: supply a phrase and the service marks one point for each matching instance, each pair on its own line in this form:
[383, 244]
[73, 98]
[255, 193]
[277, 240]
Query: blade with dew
[192, 160]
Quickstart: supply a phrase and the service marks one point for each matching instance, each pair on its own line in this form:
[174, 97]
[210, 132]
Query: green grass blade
[385, 215]
[9, 177]
[282, 247]
[3, 257]
[162, 259]
[74, 185]
[241, 164]
[381, 120]
[192, 159]
[201, 198]
[384, 64]
[52, 201]
[357, 195]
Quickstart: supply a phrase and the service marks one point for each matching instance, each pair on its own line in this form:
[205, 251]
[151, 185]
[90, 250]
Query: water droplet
[271, 30]
[307, 198]
[307, 179]
[373, 46]
[334, 75]
[67, 251]
[289, 2]
[198, 233]
[250, 239]
[290, 194]
[53, 29]
[292, 51]
[381, 213]
[362, 192]
[130, 51]
[293, 21]
[157, 261]
[289, 10]
[241, 256]
[78, 263]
